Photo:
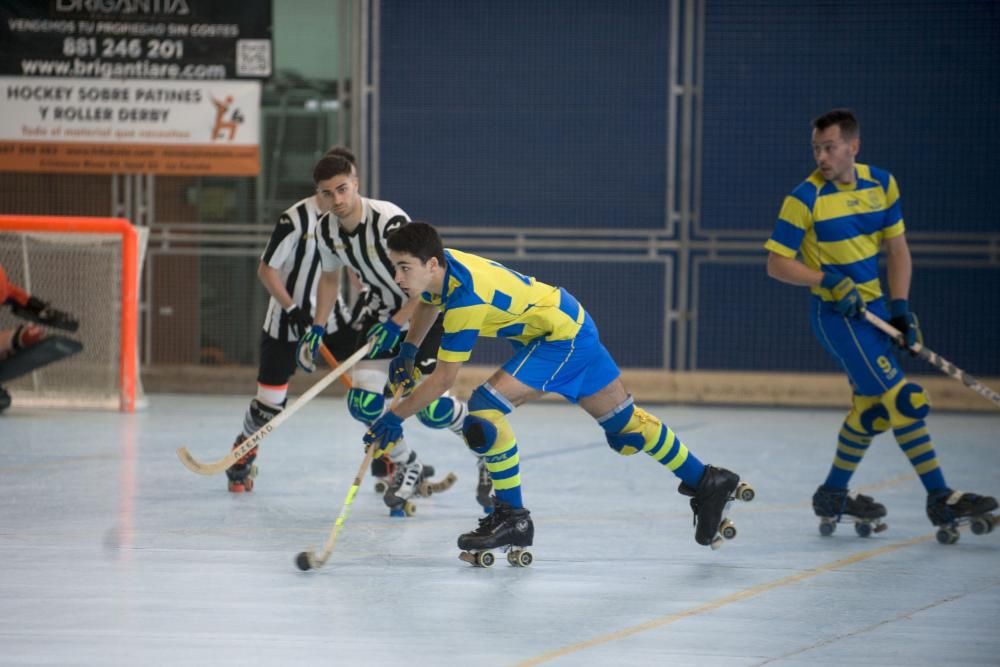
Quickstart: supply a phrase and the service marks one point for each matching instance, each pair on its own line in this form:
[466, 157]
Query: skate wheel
[863, 529]
[520, 558]
[716, 543]
[485, 559]
[980, 525]
[380, 487]
[409, 509]
[947, 535]
[826, 528]
[727, 529]
[253, 472]
[745, 493]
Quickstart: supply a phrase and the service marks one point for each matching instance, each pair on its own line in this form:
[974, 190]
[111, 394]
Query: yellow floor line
[722, 602]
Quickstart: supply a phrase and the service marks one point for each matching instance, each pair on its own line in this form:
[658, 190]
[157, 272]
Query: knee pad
[484, 429]
[907, 402]
[636, 431]
[364, 405]
[869, 415]
[439, 414]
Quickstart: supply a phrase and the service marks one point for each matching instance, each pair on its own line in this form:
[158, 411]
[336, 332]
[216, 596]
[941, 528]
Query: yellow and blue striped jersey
[484, 298]
[840, 227]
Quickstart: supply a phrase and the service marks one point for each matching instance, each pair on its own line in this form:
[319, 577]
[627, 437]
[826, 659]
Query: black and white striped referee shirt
[364, 250]
[292, 250]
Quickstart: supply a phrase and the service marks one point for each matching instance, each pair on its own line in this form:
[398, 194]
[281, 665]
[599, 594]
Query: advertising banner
[97, 126]
[136, 39]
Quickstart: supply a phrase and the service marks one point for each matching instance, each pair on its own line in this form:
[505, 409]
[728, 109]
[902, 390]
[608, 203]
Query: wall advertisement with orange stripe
[97, 126]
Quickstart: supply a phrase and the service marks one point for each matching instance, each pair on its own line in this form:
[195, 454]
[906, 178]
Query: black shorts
[277, 358]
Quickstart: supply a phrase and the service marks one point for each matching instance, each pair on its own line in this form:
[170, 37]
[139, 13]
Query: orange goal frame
[128, 354]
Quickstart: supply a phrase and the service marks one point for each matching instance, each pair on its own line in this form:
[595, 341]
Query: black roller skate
[242, 473]
[505, 528]
[4, 399]
[949, 509]
[484, 488]
[406, 482]
[838, 505]
[383, 470]
[716, 490]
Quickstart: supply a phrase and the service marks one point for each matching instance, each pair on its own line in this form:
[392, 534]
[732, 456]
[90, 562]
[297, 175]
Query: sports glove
[847, 299]
[299, 321]
[384, 433]
[402, 372]
[907, 323]
[305, 353]
[383, 337]
[38, 311]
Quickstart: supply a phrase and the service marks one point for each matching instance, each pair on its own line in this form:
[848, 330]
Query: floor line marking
[723, 601]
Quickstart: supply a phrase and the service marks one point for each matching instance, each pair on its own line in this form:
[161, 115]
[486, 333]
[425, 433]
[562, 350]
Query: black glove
[38, 311]
[298, 320]
[907, 324]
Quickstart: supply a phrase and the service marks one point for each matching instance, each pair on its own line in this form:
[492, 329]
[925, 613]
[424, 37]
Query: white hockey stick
[937, 361]
[254, 440]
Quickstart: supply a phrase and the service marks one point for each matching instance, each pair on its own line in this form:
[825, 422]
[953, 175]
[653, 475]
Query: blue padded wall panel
[923, 76]
[525, 114]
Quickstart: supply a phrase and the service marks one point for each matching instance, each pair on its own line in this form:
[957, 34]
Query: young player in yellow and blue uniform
[838, 219]
[556, 349]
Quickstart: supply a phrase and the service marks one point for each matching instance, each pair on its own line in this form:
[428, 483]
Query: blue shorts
[864, 352]
[574, 368]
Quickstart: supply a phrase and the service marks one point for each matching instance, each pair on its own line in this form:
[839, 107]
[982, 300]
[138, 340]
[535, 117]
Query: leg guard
[22, 361]
[488, 433]
[630, 429]
[364, 405]
[445, 412]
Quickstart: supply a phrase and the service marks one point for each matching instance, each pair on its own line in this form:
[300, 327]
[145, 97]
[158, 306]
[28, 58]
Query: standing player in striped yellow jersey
[556, 349]
[839, 219]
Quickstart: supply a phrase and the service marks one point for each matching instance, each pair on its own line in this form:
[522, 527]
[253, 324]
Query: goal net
[89, 267]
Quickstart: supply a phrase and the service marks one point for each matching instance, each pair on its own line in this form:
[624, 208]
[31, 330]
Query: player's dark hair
[844, 118]
[330, 166]
[344, 152]
[418, 239]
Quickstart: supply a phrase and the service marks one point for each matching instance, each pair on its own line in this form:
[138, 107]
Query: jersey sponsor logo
[852, 202]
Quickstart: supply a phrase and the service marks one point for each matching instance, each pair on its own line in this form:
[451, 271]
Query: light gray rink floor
[112, 553]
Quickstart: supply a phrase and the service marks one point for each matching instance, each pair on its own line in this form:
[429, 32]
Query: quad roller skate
[710, 501]
[412, 479]
[484, 488]
[383, 470]
[506, 528]
[949, 509]
[242, 473]
[838, 505]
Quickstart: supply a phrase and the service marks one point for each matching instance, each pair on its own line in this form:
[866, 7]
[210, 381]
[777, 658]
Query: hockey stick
[308, 560]
[331, 361]
[937, 361]
[254, 440]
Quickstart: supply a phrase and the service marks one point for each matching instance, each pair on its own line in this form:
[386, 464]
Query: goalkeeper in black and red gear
[16, 343]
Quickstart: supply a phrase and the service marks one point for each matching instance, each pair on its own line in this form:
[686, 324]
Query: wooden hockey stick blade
[429, 488]
[331, 361]
[937, 361]
[251, 443]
